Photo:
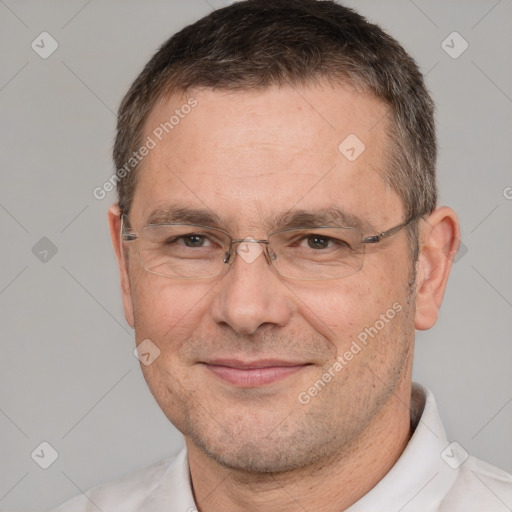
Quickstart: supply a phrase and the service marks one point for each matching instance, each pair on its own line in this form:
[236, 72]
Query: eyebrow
[181, 215]
[333, 216]
[323, 217]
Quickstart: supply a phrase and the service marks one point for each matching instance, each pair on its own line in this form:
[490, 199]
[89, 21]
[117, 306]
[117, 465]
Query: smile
[255, 374]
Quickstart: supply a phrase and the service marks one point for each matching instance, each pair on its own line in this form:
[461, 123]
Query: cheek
[167, 311]
[344, 312]
[336, 310]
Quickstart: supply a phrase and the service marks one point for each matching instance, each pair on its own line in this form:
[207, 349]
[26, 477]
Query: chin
[257, 458]
[247, 445]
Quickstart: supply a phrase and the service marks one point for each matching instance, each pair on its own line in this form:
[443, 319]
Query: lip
[254, 373]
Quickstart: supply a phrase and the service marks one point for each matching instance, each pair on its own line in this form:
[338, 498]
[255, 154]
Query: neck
[329, 485]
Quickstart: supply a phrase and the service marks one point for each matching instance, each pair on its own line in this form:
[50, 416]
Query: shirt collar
[420, 478]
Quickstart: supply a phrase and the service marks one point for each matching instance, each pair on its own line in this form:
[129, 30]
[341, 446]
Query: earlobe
[439, 242]
[114, 221]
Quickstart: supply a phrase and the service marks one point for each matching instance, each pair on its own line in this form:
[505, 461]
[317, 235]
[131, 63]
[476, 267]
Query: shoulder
[129, 492]
[479, 486]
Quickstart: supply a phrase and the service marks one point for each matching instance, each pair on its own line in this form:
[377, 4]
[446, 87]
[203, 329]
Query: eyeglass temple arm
[385, 234]
[127, 237]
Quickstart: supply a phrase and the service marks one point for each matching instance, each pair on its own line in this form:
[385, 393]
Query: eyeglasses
[190, 251]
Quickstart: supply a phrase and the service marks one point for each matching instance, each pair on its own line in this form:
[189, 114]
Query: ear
[114, 221]
[439, 242]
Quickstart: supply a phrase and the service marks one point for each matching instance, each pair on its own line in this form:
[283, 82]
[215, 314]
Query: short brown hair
[261, 43]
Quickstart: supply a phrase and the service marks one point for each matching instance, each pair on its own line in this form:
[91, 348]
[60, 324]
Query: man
[278, 243]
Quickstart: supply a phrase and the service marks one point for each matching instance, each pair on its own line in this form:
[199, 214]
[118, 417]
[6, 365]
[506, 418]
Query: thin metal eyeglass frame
[370, 239]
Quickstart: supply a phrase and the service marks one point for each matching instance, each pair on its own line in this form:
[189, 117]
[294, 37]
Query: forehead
[250, 156]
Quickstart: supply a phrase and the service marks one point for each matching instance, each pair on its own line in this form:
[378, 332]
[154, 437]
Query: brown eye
[318, 242]
[194, 240]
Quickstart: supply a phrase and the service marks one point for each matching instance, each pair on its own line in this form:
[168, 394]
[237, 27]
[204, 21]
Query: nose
[251, 296]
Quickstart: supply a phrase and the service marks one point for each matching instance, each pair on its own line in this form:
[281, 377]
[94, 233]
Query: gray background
[68, 375]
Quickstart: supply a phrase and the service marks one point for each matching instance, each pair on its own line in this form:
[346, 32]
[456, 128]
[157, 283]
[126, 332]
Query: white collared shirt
[431, 475]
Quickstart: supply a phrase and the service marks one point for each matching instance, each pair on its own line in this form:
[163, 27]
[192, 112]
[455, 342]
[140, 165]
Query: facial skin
[250, 156]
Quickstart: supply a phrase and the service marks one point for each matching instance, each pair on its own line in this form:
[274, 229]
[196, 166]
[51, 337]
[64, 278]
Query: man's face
[250, 157]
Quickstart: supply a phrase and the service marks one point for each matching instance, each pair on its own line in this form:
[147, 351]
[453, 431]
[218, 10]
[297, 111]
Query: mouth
[255, 373]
